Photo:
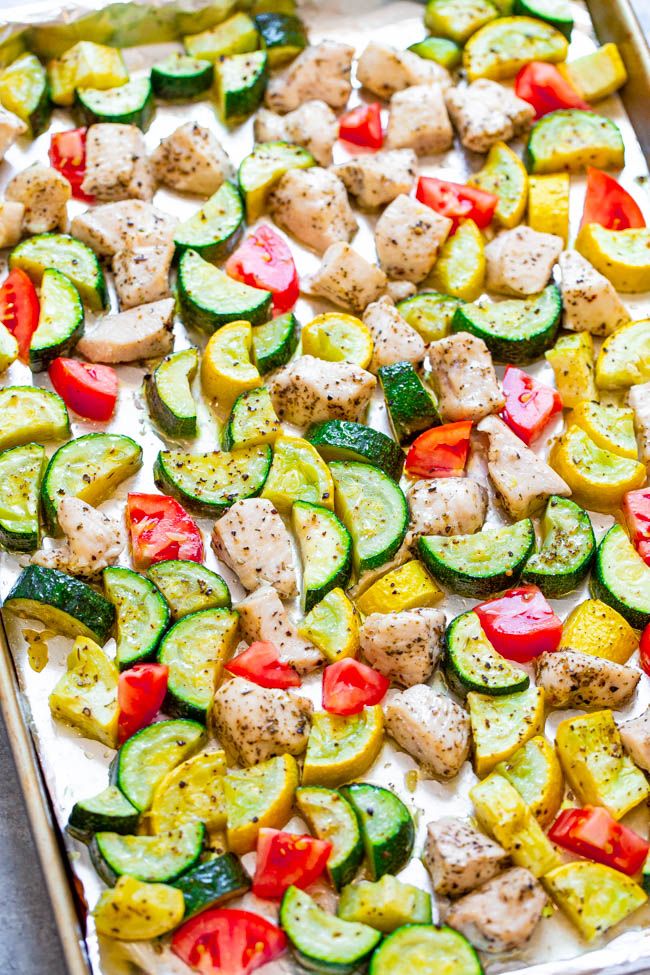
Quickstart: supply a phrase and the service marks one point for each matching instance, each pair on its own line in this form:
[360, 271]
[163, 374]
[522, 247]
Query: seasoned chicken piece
[11, 223]
[522, 480]
[44, 193]
[502, 914]
[572, 679]
[432, 728]
[394, 339]
[383, 70]
[139, 333]
[459, 857]
[313, 125]
[11, 128]
[263, 617]
[590, 302]
[418, 120]
[124, 225]
[254, 723]
[639, 400]
[142, 275]
[486, 112]
[93, 540]
[520, 261]
[319, 72]
[346, 278]
[446, 506]
[404, 646]
[117, 167]
[463, 377]
[408, 237]
[252, 540]
[399, 290]
[308, 390]
[191, 160]
[379, 177]
[312, 205]
[635, 735]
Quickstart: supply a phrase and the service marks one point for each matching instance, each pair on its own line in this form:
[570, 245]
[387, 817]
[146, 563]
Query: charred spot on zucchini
[211, 482]
[346, 440]
[331, 817]
[109, 811]
[622, 579]
[325, 551]
[169, 393]
[129, 104]
[387, 828]
[67, 255]
[283, 36]
[275, 342]
[567, 550]
[152, 859]
[444, 950]
[240, 81]
[208, 298]
[214, 230]
[21, 470]
[189, 587]
[30, 414]
[142, 615]
[181, 77]
[411, 407]
[213, 883]
[60, 322]
[472, 663]
[252, 420]
[516, 330]
[571, 139]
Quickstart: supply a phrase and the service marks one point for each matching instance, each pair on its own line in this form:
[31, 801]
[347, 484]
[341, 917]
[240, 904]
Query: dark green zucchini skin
[180, 77]
[411, 407]
[275, 342]
[212, 883]
[346, 440]
[109, 811]
[386, 825]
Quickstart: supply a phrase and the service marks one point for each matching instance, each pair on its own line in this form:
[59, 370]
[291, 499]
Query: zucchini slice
[208, 298]
[189, 587]
[214, 230]
[181, 77]
[411, 407]
[346, 440]
[557, 13]
[442, 50]
[266, 165]
[458, 19]
[332, 626]
[195, 651]
[142, 615]
[64, 604]
[129, 104]
[387, 828]
[482, 564]
[386, 904]
[501, 48]
[275, 342]
[516, 330]
[236, 35]
[570, 140]
[28, 413]
[21, 470]
[567, 551]
[67, 255]
[252, 420]
[429, 313]
[169, 393]
[240, 81]
[213, 883]
[211, 482]
[373, 508]
[258, 797]
[24, 91]
[109, 811]
[152, 859]
[60, 322]
[325, 551]
[283, 36]
[472, 663]
[443, 949]
[622, 579]
[332, 818]
[89, 468]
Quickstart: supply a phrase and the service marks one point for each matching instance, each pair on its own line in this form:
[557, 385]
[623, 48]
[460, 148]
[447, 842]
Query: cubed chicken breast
[255, 723]
[523, 481]
[11, 128]
[141, 276]
[252, 540]
[459, 857]
[313, 125]
[464, 379]
[312, 205]
[124, 225]
[117, 167]
[635, 735]
[139, 333]
[446, 506]
[520, 261]
[572, 679]
[502, 914]
[321, 72]
[394, 339]
[92, 540]
[348, 279]
[418, 120]
[191, 160]
[408, 237]
[379, 177]
[44, 193]
[11, 223]
[590, 302]
[486, 112]
[262, 616]
[308, 390]
[383, 70]
[406, 646]
[431, 727]
[639, 400]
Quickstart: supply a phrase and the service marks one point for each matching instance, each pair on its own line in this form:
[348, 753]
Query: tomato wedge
[457, 201]
[286, 859]
[19, 309]
[440, 452]
[362, 126]
[261, 664]
[529, 403]
[68, 155]
[88, 389]
[160, 529]
[607, 203]
[543, 87]
[223, 941]
[140, 694]
[264, 261]
[591, 832]
[520, 624]
[636, 511]
[350, 686]
[644, 650]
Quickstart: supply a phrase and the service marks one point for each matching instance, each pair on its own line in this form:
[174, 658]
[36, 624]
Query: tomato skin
[543, 87]
[644, 650]
[287, 859]
[68, 155]
[362, 126]
[264, 260]
[636, 511]
[140, 694]
[529, 403]
[440, 452]
[88, 389]
[457, 201]
[608, 204]
[520, 624]
[591, 832]
[19, 309]
[261, 664]
[350, 686]
[224, 941]
[151, 520]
